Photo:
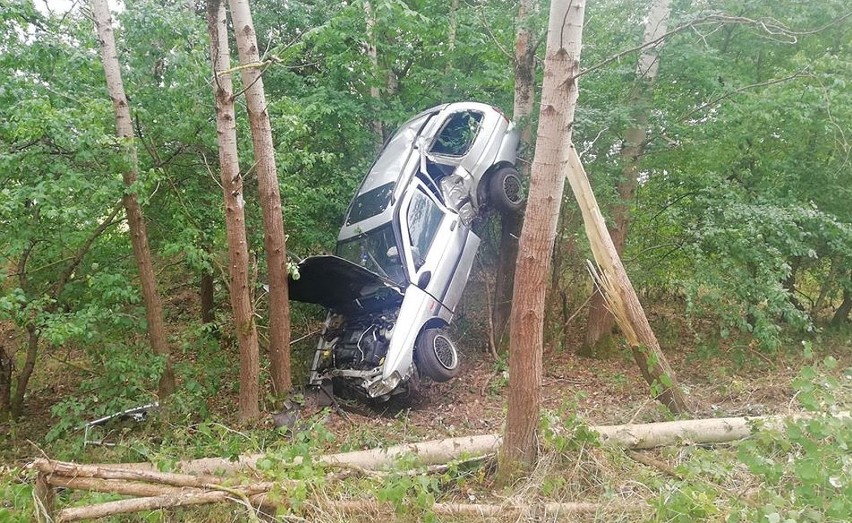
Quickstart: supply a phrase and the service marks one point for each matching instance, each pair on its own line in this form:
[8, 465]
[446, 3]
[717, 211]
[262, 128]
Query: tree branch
[81, 252]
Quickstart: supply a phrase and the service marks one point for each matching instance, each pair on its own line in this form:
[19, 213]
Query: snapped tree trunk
[232, 189]
[620, 295]
[270, 198]
[510, 223]
[135, 218]
[601, 321]
[558, 100]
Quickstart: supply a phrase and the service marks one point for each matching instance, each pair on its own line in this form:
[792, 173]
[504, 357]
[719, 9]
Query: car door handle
[453, 225]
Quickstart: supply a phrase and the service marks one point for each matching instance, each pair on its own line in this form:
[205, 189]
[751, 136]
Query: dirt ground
[600, 391]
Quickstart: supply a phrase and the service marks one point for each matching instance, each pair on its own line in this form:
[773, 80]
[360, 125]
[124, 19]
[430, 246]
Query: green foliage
[801, 472]
[807, 468]
[16, 494]
[565, 431]
[410, 494]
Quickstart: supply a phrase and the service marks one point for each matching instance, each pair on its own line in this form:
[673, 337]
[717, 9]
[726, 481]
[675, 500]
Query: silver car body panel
[418, 307]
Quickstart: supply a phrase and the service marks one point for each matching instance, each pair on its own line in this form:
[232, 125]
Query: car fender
[417, 310]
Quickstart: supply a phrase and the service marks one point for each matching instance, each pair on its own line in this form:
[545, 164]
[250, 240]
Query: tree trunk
[232, 188]
[841, 315]
[373, 55]
[620, 295]
[7, 365]
[558, 100]
[206, 290]
[17, 403]
[270, 198]
[510, 223]
[601, 320]
[449, 84]
[135, 219]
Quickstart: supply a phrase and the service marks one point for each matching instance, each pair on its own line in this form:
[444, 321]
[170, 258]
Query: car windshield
[376, 251]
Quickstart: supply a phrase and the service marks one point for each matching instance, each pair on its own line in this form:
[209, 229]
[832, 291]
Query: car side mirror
[424, 279]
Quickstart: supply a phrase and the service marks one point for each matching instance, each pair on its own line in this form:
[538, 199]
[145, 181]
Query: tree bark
[232, 189]
[841, 315]
[119, 472]
[7, 365]
[17, 403]
[270, 198]
[373, 56]
[129, 506]
[112, 486]
[206, 292]
[621, 297]
[449, 84]
[510, 223]
[135, 218]
[601, 321]
[558, 100]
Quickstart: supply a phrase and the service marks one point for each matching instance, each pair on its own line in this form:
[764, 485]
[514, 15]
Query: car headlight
[385, 386]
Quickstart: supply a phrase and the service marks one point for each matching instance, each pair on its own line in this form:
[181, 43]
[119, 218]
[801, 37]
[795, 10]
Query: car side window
[424, 218]
[458, 133]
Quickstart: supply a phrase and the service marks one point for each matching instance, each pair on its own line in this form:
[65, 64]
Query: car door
[439, 248]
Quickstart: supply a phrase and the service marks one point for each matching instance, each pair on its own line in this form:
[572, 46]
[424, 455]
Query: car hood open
[334, 282]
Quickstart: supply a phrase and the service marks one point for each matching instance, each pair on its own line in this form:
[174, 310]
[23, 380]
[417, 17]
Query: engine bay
[360, 342]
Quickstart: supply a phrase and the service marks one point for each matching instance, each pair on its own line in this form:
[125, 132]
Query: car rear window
[369, 204]
[458, 133]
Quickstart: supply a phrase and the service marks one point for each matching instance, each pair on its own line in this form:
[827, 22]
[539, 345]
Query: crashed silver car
[406, 248]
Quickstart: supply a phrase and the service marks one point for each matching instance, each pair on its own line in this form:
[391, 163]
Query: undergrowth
[801, 472]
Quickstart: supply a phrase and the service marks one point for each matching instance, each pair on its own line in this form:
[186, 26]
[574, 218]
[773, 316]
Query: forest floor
[722, 378]
[723, 381]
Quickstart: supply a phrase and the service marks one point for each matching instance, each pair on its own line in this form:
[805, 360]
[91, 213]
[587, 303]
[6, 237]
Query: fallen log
[127, 506]
[633, 436]
[116, 486]
[119, 471]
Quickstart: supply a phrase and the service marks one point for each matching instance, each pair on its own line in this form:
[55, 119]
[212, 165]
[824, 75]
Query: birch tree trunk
[232, 188]
[270, 198]
[558, 99]
[373, 55]
[510, 223]
[135, 219]
[601, 320]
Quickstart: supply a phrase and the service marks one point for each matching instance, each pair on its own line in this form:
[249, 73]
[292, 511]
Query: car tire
[437, 357]
[505, 190]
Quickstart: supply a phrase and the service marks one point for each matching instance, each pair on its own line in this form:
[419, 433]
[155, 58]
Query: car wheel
[437, 357]
[505, 190]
